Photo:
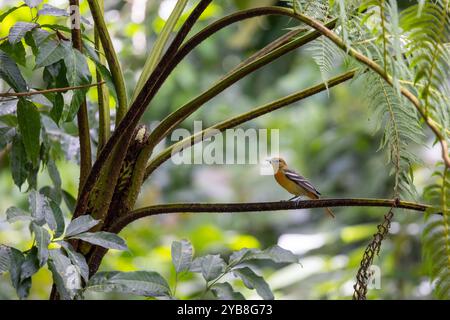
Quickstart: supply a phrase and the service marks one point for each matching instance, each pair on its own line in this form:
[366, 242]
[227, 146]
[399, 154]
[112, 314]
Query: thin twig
[32, 93]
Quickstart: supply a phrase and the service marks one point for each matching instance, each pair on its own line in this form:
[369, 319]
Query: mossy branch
[259, 207]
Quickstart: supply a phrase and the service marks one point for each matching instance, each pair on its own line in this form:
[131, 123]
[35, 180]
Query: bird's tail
[328, 211]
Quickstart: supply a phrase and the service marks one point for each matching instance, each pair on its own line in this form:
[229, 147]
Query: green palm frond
[436, 235]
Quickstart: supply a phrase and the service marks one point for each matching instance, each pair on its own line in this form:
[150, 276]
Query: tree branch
[82, 114]
[242, 118]
[32, 93]
[260, 207]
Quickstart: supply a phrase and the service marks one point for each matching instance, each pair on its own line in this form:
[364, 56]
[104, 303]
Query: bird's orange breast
[291, 186]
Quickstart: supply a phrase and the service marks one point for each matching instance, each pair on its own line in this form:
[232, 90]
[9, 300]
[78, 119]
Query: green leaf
[19, 162]
[144, 283]
[50, 51]
[182, 253]
[42, 238]
[54, 173]
[55, 218]
[6, 135]
[77, 259]
[253, 281]
[69, 200]
[16, 260]
[65, 275]
[15, 51]
[9, 11]
[33, 3]
[77, 74]
[224, 291]
[81, 224]
[211, 266]
[104, 239]
[30, 264]
[58, 107]
[5, 258]
[18, 31]
[274, 253]
[11, 73]
[49, 10]
[38, 206]
[30, 128]
[14, 214]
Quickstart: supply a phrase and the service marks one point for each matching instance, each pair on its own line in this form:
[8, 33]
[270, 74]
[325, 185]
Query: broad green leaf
[42, 238]
[50, 51]
[15, 51]
[224, 291]
[30, 128]
[69, 200]
[30, 264]
[104, 239]
[6, 135]
[211, 266]
[22, 286]
[33, 3]
[144, 283]
[19, 162]
[18, 31]
[105, 73]
[81, 224]
[274, 253]
[14, 214]
[65, 275]
[5, 258]
[57, 109]
[77, 74]
[11, 73]
[55, 218]
[77, 259]
[54, 173]
[9, 11]
[182, 253]
[51, 194]
[253, 281]
[38, 206]
[49, 10]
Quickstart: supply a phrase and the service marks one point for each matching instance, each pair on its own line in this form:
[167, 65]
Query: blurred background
[330, 138]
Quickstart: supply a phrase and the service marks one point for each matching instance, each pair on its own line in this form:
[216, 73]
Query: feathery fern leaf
[401, 131]
[436, 235]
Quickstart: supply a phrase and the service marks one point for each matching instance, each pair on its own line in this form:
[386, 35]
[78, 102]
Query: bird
[294, 183]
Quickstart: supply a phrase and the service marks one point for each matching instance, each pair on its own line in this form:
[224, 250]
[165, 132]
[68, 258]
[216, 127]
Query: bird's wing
[301, 181]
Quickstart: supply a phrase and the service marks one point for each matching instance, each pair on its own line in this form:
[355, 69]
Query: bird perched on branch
[294, 183]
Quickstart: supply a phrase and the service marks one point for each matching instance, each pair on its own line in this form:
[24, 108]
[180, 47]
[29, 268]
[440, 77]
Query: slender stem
[242, 118]
[157, 50]
[111, 57]
[260, 207]
[104, 118]
[32, 93]
[82, 115]
[378, 69]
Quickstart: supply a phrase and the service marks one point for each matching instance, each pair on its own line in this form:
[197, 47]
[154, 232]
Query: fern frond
[401, 130]
[326, 55]
[436, 235]
[428, 30]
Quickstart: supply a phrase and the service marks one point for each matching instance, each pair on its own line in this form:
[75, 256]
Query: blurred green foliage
[328, 138]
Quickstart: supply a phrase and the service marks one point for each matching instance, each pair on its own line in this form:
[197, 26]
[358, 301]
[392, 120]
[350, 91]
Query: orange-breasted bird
[294, 183]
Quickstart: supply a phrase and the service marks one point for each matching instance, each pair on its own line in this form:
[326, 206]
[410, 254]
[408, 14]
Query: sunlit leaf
[81, 224]
[182, 253]
[253, 281]
[104, 239]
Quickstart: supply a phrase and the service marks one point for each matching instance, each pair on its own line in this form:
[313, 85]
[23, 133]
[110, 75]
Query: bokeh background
[330, 138]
